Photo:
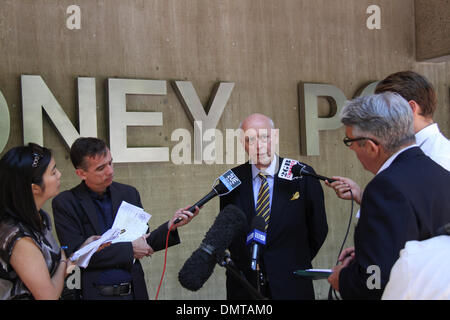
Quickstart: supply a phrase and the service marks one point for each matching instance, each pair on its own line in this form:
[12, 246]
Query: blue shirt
[103, 206]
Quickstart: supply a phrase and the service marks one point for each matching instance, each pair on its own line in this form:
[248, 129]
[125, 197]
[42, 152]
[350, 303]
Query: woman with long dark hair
[32, 265]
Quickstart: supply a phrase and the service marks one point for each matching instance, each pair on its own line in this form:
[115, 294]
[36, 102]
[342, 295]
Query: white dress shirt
[270, 174]
[421, 272]
[435, 145]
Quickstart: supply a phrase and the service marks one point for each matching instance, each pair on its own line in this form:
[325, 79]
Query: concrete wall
[432, 30]
[266, 47]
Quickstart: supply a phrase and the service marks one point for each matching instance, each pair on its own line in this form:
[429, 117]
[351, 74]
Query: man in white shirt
[421, 272]
[420, 94]
[435, 145]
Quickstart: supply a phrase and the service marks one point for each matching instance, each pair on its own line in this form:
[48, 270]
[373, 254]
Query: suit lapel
[115, 199]
[246, 193]
[281, 194]
[88, 206]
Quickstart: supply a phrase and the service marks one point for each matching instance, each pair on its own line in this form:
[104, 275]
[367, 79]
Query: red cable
[165, 260]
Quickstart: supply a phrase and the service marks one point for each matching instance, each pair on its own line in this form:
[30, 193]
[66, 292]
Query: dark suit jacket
[297, 230]
[76, 220]
[407, 201]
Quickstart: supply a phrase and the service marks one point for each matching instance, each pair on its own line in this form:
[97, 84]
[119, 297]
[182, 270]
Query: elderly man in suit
[406, 200]
[296, 224]
[89, 209]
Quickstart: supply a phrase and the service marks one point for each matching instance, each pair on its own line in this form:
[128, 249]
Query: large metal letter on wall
[5, 124]
[203, 122]
[310, 123]
[37, 96]
[119, 119]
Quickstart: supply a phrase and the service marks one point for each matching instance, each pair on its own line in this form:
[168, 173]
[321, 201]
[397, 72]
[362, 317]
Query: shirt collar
[95, 196]
[426, 132]
[269, 171]
[391, 159]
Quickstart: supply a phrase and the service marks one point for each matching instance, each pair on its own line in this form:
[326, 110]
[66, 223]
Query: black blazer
[407, 201]
[297, 230]
[76, 220]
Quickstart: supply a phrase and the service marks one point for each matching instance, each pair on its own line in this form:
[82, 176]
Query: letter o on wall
[4, 122]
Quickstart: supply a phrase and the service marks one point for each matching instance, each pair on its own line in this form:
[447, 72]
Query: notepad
[314, 274]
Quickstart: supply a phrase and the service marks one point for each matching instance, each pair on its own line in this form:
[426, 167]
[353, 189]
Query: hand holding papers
[132, 220]
[130, 223]
[83, 256]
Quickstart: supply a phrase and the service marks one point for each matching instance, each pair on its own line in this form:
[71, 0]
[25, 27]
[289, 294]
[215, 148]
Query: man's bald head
[259, 139]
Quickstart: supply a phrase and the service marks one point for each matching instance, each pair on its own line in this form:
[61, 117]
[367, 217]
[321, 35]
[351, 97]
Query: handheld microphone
[227, 183]
[230, 222]
[291, 169]
[256, 238]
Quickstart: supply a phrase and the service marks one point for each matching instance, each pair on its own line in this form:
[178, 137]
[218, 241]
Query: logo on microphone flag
[256, 236]
[230, 180]
[286, 169]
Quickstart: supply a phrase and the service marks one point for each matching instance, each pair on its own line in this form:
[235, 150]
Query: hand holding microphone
[342, 187]
[182, 217]
[347, 256]
[291, 169]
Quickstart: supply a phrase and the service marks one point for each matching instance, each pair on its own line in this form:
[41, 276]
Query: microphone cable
[165, 260]
[331, 291]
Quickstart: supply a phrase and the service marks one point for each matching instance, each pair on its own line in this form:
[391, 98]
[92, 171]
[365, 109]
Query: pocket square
[295, 196]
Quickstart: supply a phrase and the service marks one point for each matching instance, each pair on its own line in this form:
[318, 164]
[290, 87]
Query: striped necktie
[263, 201]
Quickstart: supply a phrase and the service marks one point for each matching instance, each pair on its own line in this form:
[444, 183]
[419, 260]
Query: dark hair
[86, 147]
[19, 168]
[411, 86]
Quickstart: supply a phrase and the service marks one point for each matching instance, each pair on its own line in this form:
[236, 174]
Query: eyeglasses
[262, 138]
[348, 142]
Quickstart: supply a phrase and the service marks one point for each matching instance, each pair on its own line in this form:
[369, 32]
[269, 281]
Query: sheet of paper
[83, 256]
[319, 270]
[132, 221]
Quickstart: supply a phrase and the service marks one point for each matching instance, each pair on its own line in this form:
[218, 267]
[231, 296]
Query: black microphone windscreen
[229, 222]
[199, 267]
[258, 223]
[196, 270]
[297, 170]
[221, 188]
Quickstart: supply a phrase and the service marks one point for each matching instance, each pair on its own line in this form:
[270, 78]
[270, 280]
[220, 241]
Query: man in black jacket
[296, 219]
[89, 209]
[406, 200]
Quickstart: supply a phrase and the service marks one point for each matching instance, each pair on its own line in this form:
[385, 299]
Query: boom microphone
[291, 169]
[198, 268]
[227, 183]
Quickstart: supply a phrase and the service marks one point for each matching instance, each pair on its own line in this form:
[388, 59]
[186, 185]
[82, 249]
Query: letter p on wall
[310, 122]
